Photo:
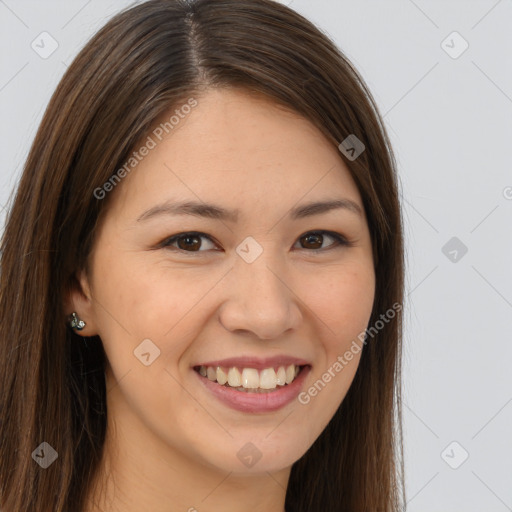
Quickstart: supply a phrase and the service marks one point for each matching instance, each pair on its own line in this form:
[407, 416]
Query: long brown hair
[143, 62]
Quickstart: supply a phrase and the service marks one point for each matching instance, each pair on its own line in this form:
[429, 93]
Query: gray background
[450, 121]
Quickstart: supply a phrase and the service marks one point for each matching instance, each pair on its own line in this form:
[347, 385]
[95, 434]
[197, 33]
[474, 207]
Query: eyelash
[340, 240]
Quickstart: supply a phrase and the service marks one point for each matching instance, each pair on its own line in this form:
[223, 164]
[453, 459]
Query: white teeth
[234, 378]
[222, 377]
[250, 378]
[290, 373]
[268, 379]
[281, 376]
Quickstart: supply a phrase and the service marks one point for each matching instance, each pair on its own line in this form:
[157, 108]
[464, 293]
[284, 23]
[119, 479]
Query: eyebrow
[212, 211]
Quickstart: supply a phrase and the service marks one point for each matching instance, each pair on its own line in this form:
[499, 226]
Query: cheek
[342, 304]
[343, 301]
[141, 310]
[138, 301]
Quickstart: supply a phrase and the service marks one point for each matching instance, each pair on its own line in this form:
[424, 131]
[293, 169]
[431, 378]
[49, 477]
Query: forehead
[235, 148]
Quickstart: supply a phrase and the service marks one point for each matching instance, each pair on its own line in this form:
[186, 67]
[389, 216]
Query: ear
[79, 299]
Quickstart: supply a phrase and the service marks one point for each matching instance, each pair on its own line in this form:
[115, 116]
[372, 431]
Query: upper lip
[258, 363]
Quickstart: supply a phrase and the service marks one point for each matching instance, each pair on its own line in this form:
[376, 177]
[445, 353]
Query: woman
[202, 276]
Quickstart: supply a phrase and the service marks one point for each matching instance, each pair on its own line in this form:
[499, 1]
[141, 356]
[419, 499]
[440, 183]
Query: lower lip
[256, 402]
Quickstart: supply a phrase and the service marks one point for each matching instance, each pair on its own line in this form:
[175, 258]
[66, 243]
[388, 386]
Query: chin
[258, 456]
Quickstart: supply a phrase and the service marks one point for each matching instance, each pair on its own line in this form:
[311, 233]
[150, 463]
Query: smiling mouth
[250, 380]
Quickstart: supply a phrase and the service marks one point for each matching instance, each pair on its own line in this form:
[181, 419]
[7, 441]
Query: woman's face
[268, 285]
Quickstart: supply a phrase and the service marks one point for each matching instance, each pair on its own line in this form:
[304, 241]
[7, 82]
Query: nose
[260, 301]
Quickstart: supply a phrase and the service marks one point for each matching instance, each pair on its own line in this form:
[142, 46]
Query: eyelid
[340, 241]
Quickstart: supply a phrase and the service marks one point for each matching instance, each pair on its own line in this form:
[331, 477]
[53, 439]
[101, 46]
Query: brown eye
[192, 242]
[188, 242]
[314, 240]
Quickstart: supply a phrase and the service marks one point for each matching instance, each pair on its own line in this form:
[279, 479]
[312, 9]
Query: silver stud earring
[75, 322]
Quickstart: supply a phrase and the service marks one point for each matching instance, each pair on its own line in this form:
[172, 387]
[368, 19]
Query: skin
[171, 445]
